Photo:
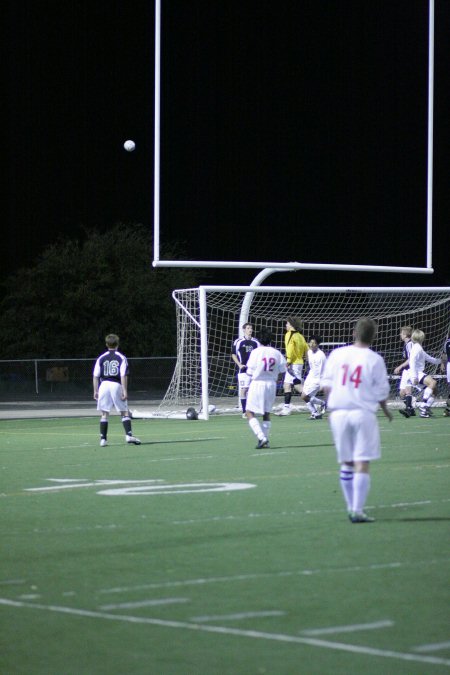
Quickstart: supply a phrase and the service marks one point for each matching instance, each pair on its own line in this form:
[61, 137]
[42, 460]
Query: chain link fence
[71, 379]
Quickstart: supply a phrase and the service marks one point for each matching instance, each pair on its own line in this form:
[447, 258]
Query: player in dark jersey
[446, 365]
[240, 353]
[110, 380]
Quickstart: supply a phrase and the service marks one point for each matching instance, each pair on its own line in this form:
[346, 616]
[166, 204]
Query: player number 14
[354, 377]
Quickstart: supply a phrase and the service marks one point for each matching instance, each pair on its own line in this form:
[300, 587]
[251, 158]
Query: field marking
[145, 603]
[224, 630]
[267, 575]
[437, 646]
[262, 454]
[348, 629]
[191, 521]
[12, 582]
[147, 487]
[237, 617]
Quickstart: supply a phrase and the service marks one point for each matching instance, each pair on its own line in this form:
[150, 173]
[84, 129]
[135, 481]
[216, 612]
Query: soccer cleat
[264, 443]
[132, 439]
[405, 412]
[424, 413]
[360, 517]
[447, 412]
[315, 416]
[244, 416]
[103, 442]
[412, 412]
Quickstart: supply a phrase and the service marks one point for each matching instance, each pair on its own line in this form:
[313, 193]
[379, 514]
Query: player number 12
[269, 363]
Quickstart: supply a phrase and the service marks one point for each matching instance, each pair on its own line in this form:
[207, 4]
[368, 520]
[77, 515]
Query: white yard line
[145, 603]
[203, 581]
[223, 630]
[237, 617]
[349, 629]
[437, 646]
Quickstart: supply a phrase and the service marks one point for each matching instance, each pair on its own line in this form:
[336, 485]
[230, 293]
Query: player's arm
[236, 360]
[124, 383]
[432, 360]
[401, 367]
[95, 383]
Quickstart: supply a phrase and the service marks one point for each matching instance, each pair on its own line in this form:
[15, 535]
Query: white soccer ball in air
[129, 146]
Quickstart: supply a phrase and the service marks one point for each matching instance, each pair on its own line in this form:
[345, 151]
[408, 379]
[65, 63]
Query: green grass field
[194, 553]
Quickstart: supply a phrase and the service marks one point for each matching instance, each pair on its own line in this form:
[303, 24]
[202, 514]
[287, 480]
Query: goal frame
[249, 291]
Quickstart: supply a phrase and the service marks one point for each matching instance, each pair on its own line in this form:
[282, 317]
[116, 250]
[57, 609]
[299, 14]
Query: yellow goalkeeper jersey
[296, 347]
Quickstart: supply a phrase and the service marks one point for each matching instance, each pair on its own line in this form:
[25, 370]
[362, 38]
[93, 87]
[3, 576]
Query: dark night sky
[290, 131]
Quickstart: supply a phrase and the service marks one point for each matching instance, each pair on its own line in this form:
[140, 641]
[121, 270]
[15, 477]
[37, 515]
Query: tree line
[78, 291]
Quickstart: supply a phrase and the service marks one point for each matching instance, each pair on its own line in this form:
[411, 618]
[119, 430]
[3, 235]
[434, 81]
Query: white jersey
[265, 364]
[316, 362]
[357, 379]
[417, 360]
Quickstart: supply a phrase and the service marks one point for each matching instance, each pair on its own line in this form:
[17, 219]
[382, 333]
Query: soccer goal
[209, 318]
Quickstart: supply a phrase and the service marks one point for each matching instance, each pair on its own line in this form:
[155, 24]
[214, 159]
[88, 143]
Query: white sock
[361, 487]
[346, 480]
[316, 401]
[265, 425]
[311, 408]
[256, 428]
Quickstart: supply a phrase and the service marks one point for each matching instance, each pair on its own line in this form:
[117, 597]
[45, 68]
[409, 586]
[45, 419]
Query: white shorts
[244, 380]
[296, 370]
[404, 380]
[261, 396]
[109, 396]
[356, 435]
[420, 378]
[311, 386]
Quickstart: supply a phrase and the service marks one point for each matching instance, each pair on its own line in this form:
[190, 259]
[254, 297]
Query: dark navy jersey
[407, 349]
[242, 348]
[111, 366]
[447, 348]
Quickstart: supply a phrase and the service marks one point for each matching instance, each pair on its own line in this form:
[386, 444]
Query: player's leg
[287, 388]
[244, 383]
[428, 395]
[342, 437]
[366, 447]
[447, 403]
[104, 404]
[122, 407]
[104, 428]
[255, 406]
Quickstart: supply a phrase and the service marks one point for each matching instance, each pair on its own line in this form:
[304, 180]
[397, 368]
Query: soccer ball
[129, 146]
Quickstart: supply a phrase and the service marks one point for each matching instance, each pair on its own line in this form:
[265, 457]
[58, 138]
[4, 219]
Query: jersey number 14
[354, 377]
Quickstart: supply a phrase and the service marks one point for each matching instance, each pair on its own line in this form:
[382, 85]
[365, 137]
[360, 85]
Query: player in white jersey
[405, 388]
[264, 366]
[110, 381]
[311, 385]
[417, 376]
[355, 382]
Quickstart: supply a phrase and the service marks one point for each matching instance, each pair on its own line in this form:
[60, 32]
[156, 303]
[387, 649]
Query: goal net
[210, 318]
